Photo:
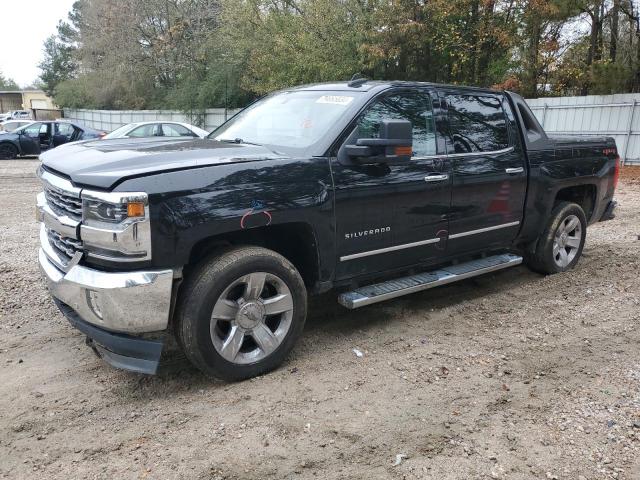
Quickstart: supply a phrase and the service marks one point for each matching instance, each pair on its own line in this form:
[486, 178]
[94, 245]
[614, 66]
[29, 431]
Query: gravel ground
[511, 375]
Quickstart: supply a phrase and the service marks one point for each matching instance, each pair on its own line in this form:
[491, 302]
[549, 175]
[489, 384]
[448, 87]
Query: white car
[10, 125]
[157, 129]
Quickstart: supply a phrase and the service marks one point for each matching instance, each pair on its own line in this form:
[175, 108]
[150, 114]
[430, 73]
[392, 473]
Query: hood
[103, 163]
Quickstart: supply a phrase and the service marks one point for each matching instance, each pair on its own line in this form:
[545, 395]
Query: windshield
[20, 129]
[290, 119]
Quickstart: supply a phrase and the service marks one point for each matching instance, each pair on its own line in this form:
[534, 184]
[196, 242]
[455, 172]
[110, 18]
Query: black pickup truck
[374, 189]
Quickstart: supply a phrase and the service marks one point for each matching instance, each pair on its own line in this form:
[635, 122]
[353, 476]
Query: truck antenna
[357, 80]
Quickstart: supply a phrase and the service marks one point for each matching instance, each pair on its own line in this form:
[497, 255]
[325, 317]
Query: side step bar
[380, 292]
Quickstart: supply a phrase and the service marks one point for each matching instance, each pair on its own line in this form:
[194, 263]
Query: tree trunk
[485, 46]
[530, 83]
[593, 52]
[613, 45]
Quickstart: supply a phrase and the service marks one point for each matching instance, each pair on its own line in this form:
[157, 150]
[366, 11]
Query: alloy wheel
[251, 318]
[567, 240]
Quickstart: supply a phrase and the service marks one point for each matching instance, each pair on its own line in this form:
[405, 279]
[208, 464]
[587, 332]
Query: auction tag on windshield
[335, 99]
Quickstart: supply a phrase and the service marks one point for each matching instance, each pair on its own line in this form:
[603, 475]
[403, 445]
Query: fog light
[93, 300]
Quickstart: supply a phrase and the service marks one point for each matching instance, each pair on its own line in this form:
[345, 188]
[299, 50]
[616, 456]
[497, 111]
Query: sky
[25, 26]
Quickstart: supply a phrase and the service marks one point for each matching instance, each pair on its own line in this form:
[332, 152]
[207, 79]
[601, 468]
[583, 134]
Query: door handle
[513, 171]
[436, 177]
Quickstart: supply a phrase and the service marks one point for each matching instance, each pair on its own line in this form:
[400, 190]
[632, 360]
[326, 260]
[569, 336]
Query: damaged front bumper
[111, 307]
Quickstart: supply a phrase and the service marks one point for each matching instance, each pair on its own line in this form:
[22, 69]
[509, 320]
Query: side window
[477, 122]
[415, 107]
[173, 130]
[34, 129]
[44, 129]
[150, 130]
[65, 129]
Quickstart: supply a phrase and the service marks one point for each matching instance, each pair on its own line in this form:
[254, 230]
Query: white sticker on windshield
[335, 99]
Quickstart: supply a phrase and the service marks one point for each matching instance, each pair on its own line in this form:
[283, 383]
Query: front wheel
[241, 312]
[560, 245]
[8, 151]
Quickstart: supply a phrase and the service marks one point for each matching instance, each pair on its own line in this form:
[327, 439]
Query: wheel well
[583, 195]
[294, 241]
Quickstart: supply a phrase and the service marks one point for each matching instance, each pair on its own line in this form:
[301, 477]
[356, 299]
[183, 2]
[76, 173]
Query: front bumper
[119, 350]
[129, 302]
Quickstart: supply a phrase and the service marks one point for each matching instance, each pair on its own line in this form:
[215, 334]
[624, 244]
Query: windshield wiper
[238, 140]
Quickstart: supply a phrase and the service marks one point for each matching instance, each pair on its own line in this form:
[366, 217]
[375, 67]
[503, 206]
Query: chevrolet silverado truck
[372, 189]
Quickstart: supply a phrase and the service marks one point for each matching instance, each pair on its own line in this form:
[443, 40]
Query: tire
[8, 151]
[565, 232]
[243, 337]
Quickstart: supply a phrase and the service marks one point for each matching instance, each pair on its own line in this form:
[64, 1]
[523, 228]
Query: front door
[489, 172]
[30, 139]
[393, 216]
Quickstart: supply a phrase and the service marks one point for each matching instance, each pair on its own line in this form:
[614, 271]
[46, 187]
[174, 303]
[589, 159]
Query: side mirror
[393, 146]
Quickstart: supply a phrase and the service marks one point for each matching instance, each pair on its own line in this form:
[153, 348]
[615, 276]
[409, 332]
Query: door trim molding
[430, 241]
[483, 230]
[353, 256]
[480, 154]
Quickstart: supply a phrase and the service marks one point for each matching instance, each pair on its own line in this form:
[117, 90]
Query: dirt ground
[511, 375]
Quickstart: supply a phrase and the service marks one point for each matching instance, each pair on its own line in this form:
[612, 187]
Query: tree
[7, 83]
[195, 54]
[60, 62]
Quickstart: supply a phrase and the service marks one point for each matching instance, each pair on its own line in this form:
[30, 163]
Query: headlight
[115, 226]
[99, 211]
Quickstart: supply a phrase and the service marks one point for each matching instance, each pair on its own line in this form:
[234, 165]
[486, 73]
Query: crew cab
[372, 189]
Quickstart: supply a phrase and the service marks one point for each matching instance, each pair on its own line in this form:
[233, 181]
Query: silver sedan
[157, 129]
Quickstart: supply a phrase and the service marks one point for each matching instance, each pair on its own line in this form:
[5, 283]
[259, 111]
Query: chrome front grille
[62, 203]
[65, 247]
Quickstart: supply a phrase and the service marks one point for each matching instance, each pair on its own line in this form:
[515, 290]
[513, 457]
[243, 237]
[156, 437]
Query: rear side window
[174, 130]
[477, 123]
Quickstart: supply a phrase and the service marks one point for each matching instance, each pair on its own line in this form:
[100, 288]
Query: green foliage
[196, 54]
[7, 83]
[58, 64]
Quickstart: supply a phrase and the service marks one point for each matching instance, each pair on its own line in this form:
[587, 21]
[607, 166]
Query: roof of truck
[365, 85]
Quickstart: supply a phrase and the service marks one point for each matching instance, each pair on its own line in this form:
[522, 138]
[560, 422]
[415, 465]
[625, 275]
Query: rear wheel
[241, 312]
[559, 247]
[8, 151]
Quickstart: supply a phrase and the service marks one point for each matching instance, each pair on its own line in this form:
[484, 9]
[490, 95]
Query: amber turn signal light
[135, 209]
[404, 151]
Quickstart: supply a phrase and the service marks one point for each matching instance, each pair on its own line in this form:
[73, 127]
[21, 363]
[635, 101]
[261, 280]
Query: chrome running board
[380, 292]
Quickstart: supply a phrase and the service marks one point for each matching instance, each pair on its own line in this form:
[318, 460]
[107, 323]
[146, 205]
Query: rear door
[64, 133]
[489, 171]
[393, 216]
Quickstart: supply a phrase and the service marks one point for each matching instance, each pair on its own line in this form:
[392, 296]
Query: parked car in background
[36, 137]
[10, 125]
[157, 129]
[20, 115]
[15, 115]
